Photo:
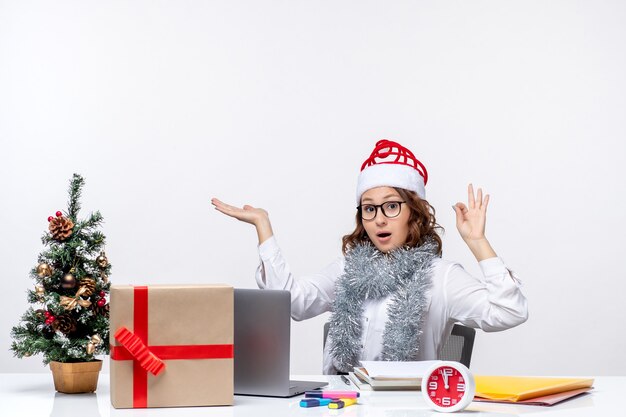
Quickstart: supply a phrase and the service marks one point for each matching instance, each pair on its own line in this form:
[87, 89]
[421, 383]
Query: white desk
[34, 395]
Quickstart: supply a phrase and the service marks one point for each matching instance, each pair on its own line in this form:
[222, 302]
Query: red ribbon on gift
[150, 358]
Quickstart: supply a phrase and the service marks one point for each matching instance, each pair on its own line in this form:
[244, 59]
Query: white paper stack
[389, 375]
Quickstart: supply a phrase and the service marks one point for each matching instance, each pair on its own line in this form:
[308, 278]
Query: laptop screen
[262, 337]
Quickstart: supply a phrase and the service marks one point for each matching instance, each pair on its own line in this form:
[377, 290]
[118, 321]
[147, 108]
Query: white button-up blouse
[491, 303]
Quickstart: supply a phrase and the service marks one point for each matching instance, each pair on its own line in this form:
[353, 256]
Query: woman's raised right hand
[255, 216]
[246, 214]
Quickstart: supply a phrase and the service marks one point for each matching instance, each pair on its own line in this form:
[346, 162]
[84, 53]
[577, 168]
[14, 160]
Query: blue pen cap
[309, 402]
[314, 394]
[314, 402]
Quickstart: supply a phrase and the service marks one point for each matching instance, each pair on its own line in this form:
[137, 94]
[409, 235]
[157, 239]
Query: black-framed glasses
[390, 209]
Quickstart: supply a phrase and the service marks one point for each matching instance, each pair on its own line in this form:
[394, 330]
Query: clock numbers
[446, 401]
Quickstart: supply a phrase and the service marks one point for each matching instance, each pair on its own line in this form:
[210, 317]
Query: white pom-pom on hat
[392, 165]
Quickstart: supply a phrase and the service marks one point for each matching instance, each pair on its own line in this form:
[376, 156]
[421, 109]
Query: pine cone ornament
[89, 284]
[64, 323]
[100, 310]
[61, 228]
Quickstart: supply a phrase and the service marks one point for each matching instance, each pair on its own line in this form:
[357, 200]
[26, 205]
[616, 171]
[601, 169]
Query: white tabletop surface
[34, 395]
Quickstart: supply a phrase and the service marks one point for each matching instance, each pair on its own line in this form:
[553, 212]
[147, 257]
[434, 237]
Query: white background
[162, 105]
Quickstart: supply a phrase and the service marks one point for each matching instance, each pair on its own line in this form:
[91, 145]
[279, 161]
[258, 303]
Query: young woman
[391, 294]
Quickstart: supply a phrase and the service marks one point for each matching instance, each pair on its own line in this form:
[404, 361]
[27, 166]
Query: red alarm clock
[448, 386]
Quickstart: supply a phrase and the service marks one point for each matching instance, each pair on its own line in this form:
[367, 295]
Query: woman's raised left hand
[470, 222]
[471, 218]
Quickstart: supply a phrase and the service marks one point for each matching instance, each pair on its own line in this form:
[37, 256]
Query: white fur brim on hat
[390, 175]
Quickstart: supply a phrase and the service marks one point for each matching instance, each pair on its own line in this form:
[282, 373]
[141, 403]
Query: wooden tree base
[74, 378]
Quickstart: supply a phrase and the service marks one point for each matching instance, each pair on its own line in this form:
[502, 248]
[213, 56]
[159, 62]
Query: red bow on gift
[133, 344]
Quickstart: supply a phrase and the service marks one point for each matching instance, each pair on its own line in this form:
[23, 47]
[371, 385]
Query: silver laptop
[262, 333]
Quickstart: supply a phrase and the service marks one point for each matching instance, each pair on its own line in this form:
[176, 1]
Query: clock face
[446, 387]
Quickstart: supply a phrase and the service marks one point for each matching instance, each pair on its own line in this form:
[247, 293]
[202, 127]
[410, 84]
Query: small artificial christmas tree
[71, 288]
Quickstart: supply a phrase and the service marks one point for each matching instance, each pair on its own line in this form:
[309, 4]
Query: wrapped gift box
[171, 345]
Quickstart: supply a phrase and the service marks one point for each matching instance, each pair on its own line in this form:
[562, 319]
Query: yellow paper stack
[521, 389]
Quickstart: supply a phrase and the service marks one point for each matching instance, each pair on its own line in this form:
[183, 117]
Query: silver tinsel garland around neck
[405, 275]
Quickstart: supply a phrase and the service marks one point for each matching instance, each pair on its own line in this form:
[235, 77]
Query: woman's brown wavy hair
[422, 224]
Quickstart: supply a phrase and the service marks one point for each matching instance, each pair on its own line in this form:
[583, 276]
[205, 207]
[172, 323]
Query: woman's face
[386, 233]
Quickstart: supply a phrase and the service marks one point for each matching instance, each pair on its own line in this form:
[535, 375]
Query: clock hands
[444, 373]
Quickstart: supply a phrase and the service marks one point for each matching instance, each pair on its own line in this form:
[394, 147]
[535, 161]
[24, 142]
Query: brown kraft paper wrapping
[176, 315]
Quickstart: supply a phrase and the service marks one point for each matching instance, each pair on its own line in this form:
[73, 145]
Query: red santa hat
[392, 165]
